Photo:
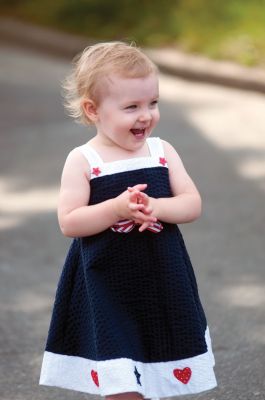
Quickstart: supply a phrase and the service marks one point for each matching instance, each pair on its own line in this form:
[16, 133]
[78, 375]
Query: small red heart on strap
[183, 375]
[94, 375]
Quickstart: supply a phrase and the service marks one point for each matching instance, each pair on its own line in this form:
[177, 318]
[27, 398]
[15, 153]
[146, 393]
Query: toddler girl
[127, 321]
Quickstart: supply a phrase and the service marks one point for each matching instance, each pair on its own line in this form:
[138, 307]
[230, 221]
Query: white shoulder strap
[155, 147]
[91, 155]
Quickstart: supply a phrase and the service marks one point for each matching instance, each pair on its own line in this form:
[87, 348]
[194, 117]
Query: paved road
[220, 135]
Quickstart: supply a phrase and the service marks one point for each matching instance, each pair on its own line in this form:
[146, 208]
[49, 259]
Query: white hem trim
[117, 375]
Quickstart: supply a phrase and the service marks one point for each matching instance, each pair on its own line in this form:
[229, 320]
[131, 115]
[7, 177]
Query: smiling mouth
[138, 132]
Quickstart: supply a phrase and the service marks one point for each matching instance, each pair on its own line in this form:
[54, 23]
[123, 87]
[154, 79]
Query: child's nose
[145, 116]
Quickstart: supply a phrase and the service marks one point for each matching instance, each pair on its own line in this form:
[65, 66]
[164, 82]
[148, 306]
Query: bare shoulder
[75, 188]
[76, 162]
[180, 181]
[76, 157]
[171, 154]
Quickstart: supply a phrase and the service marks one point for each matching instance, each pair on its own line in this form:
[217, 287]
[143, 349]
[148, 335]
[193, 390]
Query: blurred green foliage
[233, 29]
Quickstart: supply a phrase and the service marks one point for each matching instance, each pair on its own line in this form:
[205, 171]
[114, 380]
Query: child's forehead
[127, 87]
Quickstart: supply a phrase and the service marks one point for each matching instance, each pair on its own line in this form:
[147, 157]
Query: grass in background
[233, 30]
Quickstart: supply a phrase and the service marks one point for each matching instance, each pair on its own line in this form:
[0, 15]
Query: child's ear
[90, 109]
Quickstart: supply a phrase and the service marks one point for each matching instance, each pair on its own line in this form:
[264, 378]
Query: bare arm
[77, 218]
[185, 206]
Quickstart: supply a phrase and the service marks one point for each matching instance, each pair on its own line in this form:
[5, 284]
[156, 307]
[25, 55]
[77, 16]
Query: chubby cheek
[111, 121]
[156, 117]
[127, 121]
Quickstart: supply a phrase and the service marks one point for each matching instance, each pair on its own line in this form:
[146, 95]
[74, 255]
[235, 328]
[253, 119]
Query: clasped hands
[137, 206]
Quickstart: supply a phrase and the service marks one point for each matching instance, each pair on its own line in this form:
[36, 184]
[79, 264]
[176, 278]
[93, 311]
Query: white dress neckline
[99, 168]
[124, 160]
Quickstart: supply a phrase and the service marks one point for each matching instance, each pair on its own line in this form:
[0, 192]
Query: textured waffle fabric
[127, 314]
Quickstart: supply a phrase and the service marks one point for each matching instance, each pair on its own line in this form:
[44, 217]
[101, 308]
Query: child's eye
[131, 107]
[154, 103]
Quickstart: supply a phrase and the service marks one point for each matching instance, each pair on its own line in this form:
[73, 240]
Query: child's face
[128, 111]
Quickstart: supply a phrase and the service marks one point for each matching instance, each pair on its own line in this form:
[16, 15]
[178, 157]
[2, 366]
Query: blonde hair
[92, 67]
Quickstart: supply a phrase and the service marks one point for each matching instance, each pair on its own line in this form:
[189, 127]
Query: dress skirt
[127, 315]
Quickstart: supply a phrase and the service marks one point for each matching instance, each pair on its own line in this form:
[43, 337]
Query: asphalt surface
[218, 132]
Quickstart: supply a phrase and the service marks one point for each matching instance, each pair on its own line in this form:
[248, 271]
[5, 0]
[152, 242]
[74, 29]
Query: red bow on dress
[126, 225]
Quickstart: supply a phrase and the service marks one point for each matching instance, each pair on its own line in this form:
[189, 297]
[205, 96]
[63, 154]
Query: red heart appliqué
[94, 375]
[183, 375]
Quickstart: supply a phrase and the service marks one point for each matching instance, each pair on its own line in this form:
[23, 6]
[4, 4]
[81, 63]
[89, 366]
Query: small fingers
[135, 206]
[138, 197]
[148, 210]
[143, 198]
[145, 225]
[140, 216]
[140, 186]
[133, 195]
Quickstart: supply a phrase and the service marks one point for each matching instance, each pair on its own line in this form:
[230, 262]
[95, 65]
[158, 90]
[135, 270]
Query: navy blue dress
[127, 315]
